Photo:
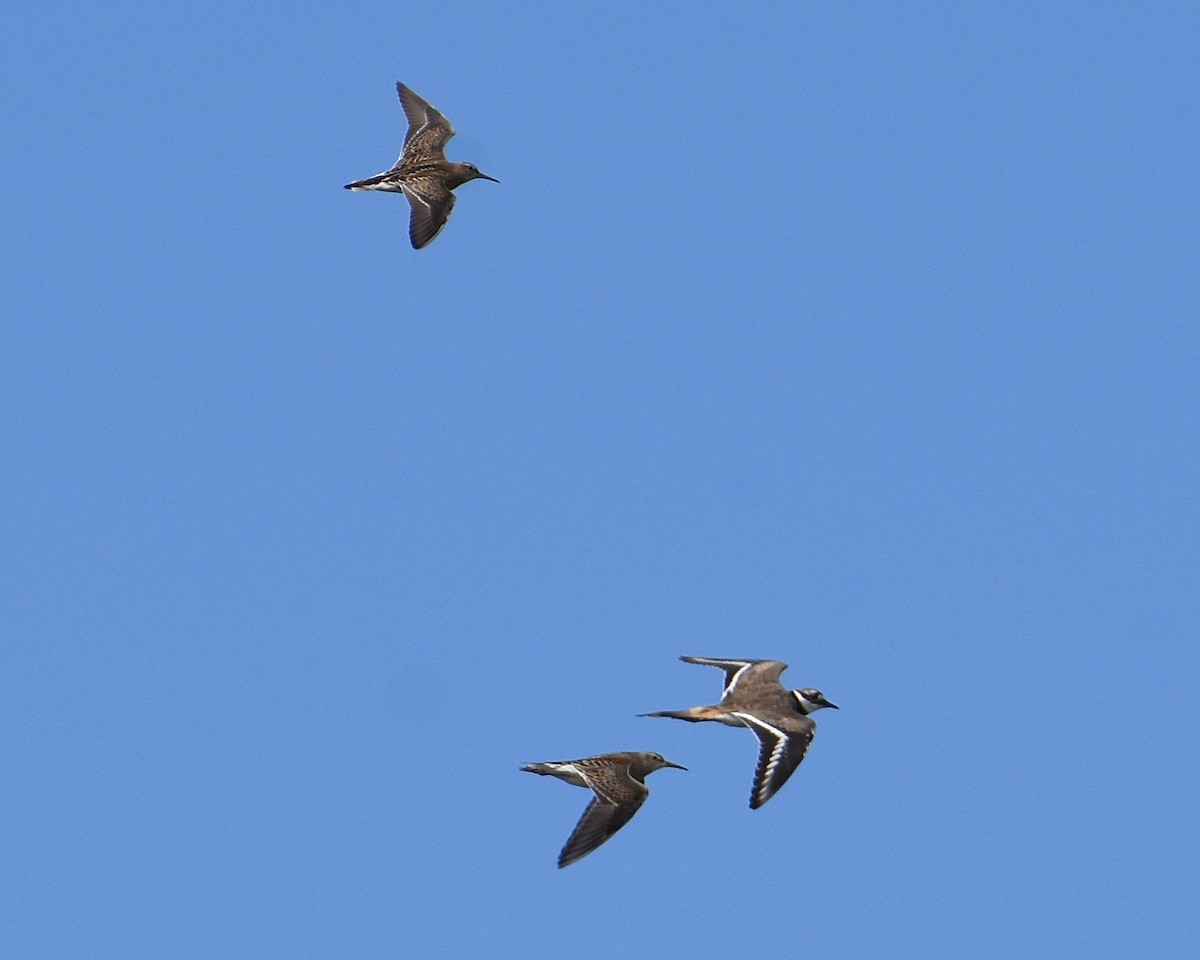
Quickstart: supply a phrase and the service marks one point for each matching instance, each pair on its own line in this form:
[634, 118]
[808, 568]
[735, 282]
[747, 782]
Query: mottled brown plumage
[422, 173]
[618, 782]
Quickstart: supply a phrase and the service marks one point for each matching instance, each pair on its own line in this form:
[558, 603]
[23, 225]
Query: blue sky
[854, 335]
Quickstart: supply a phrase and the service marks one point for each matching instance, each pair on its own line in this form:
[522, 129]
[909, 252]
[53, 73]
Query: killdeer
[753, 697]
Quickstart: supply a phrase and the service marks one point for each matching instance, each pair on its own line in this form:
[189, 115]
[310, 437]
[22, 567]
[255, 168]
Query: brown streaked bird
[753, 697]
[422, 173]
[618, 782]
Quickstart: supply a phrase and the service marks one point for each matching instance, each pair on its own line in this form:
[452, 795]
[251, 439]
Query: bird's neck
[458, 174]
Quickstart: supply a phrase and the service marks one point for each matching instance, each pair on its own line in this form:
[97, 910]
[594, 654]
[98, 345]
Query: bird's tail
[371, 183]
[687, 715]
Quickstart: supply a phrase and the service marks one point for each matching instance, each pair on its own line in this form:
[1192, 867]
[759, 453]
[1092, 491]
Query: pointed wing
[428, 131]
[743, 675]
[431, 204]
[599, 822]
[780, 753]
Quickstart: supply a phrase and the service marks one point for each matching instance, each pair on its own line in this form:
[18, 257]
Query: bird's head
[463, 172]
[811, 700]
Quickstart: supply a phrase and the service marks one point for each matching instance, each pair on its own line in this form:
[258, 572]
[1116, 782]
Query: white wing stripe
[778, 751]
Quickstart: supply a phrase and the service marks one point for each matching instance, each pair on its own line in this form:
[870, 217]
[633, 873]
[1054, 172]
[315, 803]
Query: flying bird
[618, 782]
[753, 697]
[422, 173]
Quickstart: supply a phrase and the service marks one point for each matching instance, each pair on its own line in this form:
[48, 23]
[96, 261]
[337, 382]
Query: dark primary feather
[599, 822]
[428, 131]
[778, 755]
[431, 204]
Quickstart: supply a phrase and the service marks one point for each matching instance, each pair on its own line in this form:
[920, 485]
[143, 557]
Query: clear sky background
[857, 335]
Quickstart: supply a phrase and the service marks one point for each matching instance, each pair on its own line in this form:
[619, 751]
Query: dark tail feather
[366, 184]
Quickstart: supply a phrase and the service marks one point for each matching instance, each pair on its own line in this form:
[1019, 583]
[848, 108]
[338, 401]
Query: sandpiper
[618, 782]
[423, 174]
[753, 697]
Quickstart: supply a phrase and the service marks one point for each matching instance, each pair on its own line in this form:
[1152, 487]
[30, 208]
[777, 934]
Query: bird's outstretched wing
[428, 131]
[431, 204]
[780, 753]
[743, 675]
[619, 795]
[599, 822]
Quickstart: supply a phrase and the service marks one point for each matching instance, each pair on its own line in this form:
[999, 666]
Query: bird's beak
[484, 176]
[675, 765]
[834, 705]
